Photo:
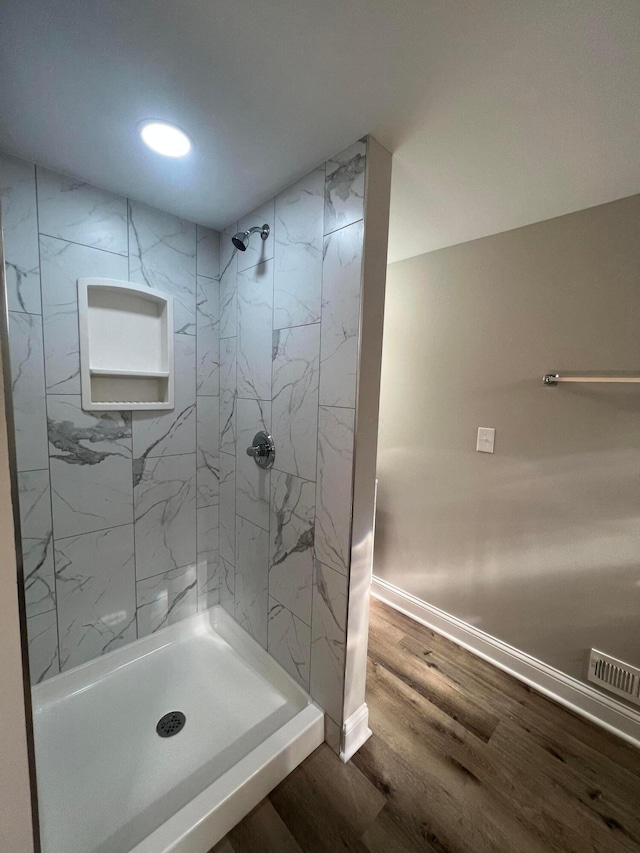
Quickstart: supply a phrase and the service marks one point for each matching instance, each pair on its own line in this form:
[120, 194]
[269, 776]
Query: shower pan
[232, 722]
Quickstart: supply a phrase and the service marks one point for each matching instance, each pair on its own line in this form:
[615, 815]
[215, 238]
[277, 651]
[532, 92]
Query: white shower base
[107, 783]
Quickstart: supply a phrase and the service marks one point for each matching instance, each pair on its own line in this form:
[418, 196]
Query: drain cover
[171, 724]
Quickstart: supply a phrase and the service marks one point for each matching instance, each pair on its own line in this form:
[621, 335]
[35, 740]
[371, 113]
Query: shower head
[241, 239]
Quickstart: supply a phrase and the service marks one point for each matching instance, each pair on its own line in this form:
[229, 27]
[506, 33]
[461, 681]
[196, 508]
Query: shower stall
[193, 422]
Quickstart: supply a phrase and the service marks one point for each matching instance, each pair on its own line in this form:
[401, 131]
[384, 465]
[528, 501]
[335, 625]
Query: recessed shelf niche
[126, 346]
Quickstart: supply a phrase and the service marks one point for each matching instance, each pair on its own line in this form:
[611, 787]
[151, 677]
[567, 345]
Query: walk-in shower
[187, 577]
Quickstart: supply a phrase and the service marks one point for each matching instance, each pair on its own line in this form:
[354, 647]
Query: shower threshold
[119, 772]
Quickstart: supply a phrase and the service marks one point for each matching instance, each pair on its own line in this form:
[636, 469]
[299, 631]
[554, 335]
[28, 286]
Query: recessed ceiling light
[165, 138]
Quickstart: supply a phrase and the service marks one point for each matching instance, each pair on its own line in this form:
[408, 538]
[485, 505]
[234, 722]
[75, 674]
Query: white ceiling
[499, 112]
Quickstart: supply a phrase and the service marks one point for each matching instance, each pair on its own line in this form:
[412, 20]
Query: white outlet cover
[486, 439]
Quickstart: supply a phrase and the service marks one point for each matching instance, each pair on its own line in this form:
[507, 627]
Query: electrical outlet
[486, 439]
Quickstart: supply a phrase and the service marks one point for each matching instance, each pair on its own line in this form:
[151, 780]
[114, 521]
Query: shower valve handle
[263, 450]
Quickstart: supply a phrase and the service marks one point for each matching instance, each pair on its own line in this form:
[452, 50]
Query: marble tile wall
[289, 332]
[119, 511]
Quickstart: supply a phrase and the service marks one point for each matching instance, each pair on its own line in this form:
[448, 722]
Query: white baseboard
[573, 694]
[355, 732]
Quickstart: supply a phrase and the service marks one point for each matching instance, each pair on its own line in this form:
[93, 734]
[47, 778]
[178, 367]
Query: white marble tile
[252, 482]
[344, 187]
[333, 488]
[162, 255]
[36, 528]
[228, 364]
[289, 642]
[207, 529]
[252, 579]
[297, 283]
[73, 210]
[258, 250]
[27, 383]
[167, 598]
[165, 514]
[291, 535]
[20, 232]
[255, 314]
[63, 263]
[227, 511]
[208, 580]
[173, 432]
[228, 283]
[42, 635]
[227, 586]
[296, 363]
[340, 316]
[90, 458]
[95, 582]
[328, 637]
[208, 337]
[207, 251]
[208, 450]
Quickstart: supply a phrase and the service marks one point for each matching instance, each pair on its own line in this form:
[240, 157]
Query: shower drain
[171, 724]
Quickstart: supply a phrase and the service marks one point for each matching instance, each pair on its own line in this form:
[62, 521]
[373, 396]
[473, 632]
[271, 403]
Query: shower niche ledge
[126, 346]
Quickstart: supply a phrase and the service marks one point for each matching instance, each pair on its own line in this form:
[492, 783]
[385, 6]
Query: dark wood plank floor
[464, 759]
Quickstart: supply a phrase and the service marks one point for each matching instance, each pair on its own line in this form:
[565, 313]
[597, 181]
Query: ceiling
[499, 112]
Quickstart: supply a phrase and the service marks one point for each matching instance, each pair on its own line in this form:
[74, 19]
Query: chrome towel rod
[554, 378]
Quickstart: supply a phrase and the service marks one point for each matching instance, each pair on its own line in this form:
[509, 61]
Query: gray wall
[538, 544]
[119, 510]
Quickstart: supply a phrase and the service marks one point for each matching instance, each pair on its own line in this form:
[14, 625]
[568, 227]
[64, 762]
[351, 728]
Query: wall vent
[614, 675]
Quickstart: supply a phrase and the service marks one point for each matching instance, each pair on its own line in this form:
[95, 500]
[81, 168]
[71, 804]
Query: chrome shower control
[263, 450]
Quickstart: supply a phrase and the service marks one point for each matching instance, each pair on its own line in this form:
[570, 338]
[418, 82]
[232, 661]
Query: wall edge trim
[580, 698]
[355, 732]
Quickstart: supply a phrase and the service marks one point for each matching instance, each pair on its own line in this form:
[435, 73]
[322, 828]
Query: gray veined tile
[63, 263]
[95, 582]
[291, 547]
[208, 337]
[228, 283]
[20, 232]
[252, 482]
[328, 638]
[340, 316]
[227, 586]
[344, 188]
[258, 250]
[42, 635]
[167, 598]
[27, 383]
[73, 210]
[289, 642]
[207, 252]
[208, 450]
[162, 255]
[91, 467]
[165, 514]
[172, 432]
[227, 511]
[207, 529]
[296, 362]
[252, 579]
[208, 580]
[299, 220]
[333, 487]
[37, 541]
[228, 362]
[255, 314]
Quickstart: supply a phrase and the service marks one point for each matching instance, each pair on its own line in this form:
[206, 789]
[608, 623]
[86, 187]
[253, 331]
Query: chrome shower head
[241, 239]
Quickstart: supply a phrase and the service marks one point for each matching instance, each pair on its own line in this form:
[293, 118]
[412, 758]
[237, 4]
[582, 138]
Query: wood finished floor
[463, 759]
